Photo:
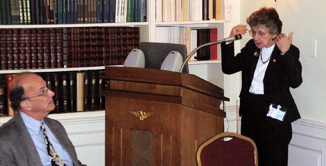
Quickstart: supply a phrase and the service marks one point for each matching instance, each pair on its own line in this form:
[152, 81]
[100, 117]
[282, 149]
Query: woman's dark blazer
[283, 72]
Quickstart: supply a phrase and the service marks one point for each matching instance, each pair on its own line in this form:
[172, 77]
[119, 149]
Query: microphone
[236, 37]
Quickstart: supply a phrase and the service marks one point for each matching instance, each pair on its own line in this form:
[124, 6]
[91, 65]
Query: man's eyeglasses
[44, 92]
[253, 33]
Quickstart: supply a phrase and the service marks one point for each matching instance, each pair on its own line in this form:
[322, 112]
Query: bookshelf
[83, 126]
[148, 34]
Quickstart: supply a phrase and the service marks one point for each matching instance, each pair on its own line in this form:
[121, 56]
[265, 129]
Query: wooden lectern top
[165, 86]
[163, 77]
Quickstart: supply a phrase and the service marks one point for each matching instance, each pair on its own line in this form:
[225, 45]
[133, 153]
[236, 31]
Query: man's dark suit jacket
[283, 72]
[17, 147]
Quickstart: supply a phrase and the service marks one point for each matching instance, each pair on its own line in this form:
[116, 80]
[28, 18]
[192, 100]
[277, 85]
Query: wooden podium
[156, 117]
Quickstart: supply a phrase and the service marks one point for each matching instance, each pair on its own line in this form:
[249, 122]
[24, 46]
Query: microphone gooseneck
[236, 37]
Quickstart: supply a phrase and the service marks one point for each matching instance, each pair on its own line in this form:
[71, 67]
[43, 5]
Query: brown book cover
[3, 49]
[59, 50]
[26, 61]
[46, 48]
[40, 48]
[10, 56]
[53, 48]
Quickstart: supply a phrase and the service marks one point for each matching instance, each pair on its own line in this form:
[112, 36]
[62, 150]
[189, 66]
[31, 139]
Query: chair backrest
[155, 53]
[236, 151]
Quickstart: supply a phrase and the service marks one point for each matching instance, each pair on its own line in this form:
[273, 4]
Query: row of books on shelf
[74, 91]
[39, 48]
[192, 38]
[72, 11]
[187, 10]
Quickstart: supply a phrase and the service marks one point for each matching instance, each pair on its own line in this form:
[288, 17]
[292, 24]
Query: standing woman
[270, 66]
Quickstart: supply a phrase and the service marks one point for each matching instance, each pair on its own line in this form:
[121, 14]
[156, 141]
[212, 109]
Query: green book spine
[1, 22]
[129, 11]
[4, 12]
[8, 9]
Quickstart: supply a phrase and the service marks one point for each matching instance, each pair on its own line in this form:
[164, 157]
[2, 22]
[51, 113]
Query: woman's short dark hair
[16, 96]
[268, 17]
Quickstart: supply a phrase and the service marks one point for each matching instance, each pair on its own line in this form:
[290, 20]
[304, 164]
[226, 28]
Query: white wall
[305, 19]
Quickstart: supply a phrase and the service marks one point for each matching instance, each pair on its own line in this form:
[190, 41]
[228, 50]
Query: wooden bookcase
[86, 129]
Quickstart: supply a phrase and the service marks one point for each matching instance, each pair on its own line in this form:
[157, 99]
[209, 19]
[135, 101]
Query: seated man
[30, 138]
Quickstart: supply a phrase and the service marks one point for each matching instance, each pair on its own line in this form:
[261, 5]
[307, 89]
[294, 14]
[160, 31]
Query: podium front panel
[161, 125]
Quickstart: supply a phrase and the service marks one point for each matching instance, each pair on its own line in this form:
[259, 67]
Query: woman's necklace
[261, 58]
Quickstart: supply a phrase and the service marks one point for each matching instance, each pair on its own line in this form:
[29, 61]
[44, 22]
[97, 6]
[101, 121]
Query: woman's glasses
[253, 33]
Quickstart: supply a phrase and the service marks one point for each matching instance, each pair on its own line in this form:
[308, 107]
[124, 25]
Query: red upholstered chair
[238, 150]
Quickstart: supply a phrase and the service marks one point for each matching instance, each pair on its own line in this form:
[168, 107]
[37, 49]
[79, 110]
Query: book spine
[15, 12]
[72, 92]
[8, 11]
[218, 9]
[33, 11]
[42, 12]
[46, 47]
[86, 91]
[60, 62]
[112, 10]
[47, 15]
[210, 10]
[56, 90]
[21, 57]
[40, 48]
[143, 11]
[75, 20]
[10, 49]
[28, 11]
[129, 11]
[137, 10]
[159, 9]
[53, 48]
[205, 10]
[93, 90]
[4, 14]
[100, 98]
[3, 49]
[21, 11]
[54, 11]
[37, 11]
[80, 91]
[60, 11]
[106, 13]
[99, 11]
[28, 48]
[64, 90]
[2, 22]
[64, 11]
